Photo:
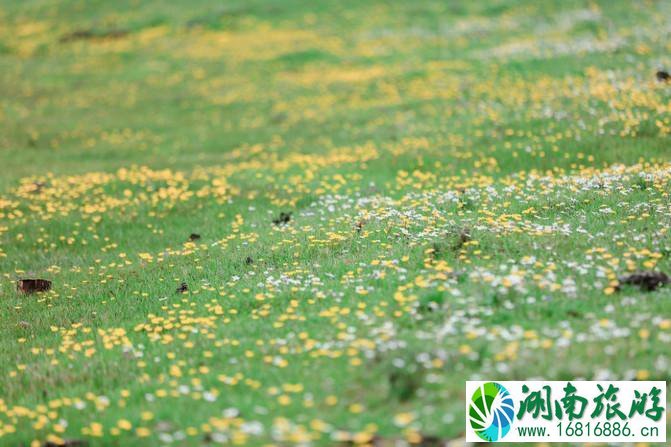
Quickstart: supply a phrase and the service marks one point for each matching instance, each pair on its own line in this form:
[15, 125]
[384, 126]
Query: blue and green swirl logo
[491, 411]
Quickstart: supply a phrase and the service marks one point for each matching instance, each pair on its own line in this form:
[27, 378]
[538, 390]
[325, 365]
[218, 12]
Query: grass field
[466, 180]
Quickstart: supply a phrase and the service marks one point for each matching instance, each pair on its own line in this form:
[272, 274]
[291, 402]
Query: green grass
[388, 130]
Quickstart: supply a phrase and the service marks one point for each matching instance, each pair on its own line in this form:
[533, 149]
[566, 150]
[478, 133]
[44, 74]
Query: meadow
[290, 222]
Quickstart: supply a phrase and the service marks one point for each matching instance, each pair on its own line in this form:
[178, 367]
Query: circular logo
[491, 411]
